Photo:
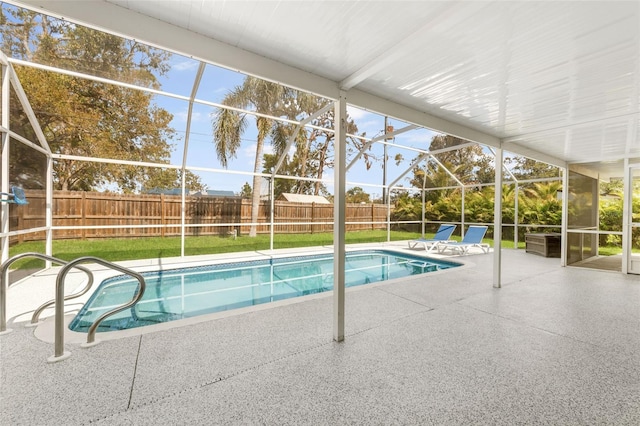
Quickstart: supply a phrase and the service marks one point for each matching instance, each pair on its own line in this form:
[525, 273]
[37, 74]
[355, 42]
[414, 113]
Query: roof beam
[129, 24]
[401, 112]
[124, 22]
[586, 171]
[385, 58]
[400, 48]
[535, 155]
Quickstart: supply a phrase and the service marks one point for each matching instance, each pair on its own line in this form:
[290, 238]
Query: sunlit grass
[158, 247]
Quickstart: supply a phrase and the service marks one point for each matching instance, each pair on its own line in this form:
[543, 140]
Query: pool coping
[44, 331]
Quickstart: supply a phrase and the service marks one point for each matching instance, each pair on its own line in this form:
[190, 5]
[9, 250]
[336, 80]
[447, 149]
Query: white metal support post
[183, 210]
[565, 217]
[462, 216]
[497, 221]
[387, 201]
[183, 170]
[516, 214]
[424, 199]
[384, 158]
[49, 210]
[272, 207]
[4, 185]
[422, 228]
[626, 217]
[339, 207]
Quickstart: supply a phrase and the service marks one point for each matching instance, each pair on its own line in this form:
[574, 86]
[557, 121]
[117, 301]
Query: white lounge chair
[473, 238]
[442, 236]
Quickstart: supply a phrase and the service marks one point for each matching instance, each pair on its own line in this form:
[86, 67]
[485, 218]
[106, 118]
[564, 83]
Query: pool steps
[59, 353]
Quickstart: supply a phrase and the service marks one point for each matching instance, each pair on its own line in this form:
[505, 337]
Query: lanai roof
[557, 81]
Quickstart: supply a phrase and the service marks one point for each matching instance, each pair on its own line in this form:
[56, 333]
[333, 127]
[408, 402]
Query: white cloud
[357, 113]
[371, 126]
[422, 136]
[249, 151]
[195, 116]
[185, 65]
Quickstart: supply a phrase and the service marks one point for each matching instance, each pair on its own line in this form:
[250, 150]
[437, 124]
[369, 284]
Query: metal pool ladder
[60, 353]
[4, 286]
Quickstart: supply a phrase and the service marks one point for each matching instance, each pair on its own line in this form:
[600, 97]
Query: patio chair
[16, 196]
[442, 236]
[473, 238]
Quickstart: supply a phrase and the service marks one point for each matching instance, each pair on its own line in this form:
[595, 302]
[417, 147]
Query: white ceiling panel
[561, 78]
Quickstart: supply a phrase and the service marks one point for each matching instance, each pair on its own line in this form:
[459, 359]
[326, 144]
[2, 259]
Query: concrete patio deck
[553, 346]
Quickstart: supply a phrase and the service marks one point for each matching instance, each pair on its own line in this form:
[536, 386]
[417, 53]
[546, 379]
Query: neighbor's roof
[165, 191]
[557, 81]
[220, 193]
[303, 198]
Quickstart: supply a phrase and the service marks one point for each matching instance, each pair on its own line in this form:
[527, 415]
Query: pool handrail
[4, 285]
[35, 319]
[60, 353]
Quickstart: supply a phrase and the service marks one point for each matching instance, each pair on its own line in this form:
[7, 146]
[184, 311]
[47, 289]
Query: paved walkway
[553, 346]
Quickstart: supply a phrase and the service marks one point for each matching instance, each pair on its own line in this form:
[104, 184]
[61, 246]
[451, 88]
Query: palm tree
[314, 146]
[229, 125]
[540, 203]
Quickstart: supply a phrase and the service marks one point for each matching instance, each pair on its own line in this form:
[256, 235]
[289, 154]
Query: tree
[526, 168]
[357, 195]
[228, 126]
[468, 164]
[406, 208]
[540, 204]
[436, 179]
[156, 178]
[288, 168]
[613, 188]
[320, 153]
[81, 117]
[314, 144]
[246, 191]
[471, 164]
[444, 209]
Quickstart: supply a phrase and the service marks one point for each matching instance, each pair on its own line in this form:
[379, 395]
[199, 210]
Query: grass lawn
[610, 250]
[156, 247]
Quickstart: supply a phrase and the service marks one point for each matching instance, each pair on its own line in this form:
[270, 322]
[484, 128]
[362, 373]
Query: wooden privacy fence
[143, 215]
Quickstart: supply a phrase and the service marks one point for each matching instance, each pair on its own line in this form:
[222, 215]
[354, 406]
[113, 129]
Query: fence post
[313, 215]
[373, 216]
[162, 215]
[83, 214]
[20, 223]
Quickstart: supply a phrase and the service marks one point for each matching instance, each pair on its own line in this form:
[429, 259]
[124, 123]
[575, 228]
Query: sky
[218, 82]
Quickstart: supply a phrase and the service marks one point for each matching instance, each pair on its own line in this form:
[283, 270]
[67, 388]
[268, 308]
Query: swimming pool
[183, 293]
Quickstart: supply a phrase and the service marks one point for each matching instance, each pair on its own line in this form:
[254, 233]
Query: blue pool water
[188, 292]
